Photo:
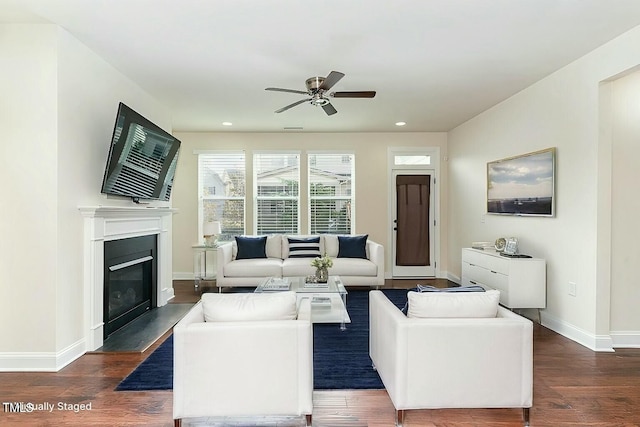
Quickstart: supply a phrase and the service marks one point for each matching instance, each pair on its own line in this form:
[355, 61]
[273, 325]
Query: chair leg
[399, 417]
[177, 423]
[309, 420]
[525, 416]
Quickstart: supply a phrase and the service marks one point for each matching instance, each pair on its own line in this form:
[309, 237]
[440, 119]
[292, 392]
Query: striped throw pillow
[304, 248]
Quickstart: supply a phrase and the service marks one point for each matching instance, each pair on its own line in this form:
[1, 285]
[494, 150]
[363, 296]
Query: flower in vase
[323, 262]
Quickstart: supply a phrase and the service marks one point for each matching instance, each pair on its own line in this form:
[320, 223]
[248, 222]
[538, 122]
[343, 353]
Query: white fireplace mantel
[104, 223]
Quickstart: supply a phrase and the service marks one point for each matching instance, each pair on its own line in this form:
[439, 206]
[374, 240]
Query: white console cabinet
[522, 282]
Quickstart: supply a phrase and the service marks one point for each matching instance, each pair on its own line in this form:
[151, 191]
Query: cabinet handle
[472, 282]
[494, 272]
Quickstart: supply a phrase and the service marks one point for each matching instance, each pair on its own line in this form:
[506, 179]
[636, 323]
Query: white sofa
[249, 272]
[259, 366]
[434, 363]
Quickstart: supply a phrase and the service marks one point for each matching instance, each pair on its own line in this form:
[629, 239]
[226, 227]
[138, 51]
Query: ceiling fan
[317, 88]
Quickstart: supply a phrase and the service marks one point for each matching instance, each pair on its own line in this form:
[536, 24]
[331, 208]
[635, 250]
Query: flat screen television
[142, 158]
[522, 185]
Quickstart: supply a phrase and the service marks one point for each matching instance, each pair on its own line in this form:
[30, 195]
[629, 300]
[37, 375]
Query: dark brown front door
[412, 220]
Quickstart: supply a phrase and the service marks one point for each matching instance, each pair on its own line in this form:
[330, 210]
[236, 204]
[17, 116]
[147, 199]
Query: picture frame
[522, 185]
[511, 247]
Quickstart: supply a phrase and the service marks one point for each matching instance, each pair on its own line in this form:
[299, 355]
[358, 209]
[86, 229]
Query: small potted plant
[322, 265]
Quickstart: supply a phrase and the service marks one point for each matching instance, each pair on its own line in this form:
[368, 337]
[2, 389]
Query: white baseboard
[453, 278]
[41, 361]
[183, 276]
[602, 343]
[625, 339]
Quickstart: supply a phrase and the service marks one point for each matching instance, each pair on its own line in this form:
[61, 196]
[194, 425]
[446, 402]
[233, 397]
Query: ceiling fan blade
[329, 109]
[277, 89]
[292, 105]
[360, 94]
[331, 79]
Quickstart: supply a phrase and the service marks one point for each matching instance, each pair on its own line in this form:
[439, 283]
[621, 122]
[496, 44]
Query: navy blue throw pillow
[352, 246]
[251, 247]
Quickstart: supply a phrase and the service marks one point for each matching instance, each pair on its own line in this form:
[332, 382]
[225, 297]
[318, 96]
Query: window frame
[202, 197]
[341, 154]
[257, 198]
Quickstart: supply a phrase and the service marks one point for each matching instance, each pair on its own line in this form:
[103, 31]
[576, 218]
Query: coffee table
[328, 301]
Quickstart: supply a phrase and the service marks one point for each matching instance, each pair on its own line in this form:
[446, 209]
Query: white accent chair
[435, 363]
[242, 368]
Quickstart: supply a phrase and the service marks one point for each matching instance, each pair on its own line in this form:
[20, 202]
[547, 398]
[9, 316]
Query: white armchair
[435, 363]
[242, 368]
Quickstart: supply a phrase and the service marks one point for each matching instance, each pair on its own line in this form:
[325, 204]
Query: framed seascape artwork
[522, 185]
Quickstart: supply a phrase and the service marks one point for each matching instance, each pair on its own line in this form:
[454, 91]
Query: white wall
[625, 233]
[563, 111]
[371, 179]
[60, 101]
[28, 172]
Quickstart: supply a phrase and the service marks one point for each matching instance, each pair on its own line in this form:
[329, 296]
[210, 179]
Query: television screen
[522, 185]
[142, 158]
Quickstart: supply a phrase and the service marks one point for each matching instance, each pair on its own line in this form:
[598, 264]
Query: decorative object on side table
[211, 231]
[322, 265]
[511, 246]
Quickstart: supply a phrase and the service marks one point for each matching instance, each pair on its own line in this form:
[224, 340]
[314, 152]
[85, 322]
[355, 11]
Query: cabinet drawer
[487, 260]
[504, 293]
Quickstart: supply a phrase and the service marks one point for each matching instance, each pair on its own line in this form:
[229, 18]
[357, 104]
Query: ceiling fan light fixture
[319, 101]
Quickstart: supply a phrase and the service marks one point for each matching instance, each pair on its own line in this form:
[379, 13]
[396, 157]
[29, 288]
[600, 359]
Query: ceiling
[434, 63]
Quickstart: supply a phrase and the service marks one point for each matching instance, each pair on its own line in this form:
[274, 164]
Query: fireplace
[106, 224]
[130, 277]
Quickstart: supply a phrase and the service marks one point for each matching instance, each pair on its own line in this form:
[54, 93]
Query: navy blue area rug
[340, 358]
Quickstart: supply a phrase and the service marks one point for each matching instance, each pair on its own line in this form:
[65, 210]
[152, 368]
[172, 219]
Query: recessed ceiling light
[400, 123]
[227, 123]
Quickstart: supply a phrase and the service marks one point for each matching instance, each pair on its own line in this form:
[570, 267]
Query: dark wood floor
[573, 386]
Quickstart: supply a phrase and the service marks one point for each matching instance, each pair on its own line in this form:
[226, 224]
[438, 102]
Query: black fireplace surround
[130, 280]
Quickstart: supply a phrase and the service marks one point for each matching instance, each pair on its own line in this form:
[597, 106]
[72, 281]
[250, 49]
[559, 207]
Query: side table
[204, 264]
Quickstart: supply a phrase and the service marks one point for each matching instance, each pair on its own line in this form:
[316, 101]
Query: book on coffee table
[320, 301]
[316, 285]
[276, 284]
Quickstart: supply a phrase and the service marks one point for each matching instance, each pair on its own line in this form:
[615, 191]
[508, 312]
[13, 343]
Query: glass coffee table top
[328, 300]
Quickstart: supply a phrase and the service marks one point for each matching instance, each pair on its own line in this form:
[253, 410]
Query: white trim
[601, 343]
[219, 152]
[434, 166]
[254, 152]
[625, 339]
[339, 152]
[41, 361]
[181, 275]
[112, 223]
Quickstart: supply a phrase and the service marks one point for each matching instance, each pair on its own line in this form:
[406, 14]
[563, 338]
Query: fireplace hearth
[130, 279]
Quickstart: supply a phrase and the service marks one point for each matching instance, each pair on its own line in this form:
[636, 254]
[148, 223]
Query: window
[277, 194]
[221, 191]
[331, 193]
[419, 159]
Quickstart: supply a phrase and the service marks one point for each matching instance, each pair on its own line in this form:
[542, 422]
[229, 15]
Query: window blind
[222, 191]
[277, 192]
[331, 193]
